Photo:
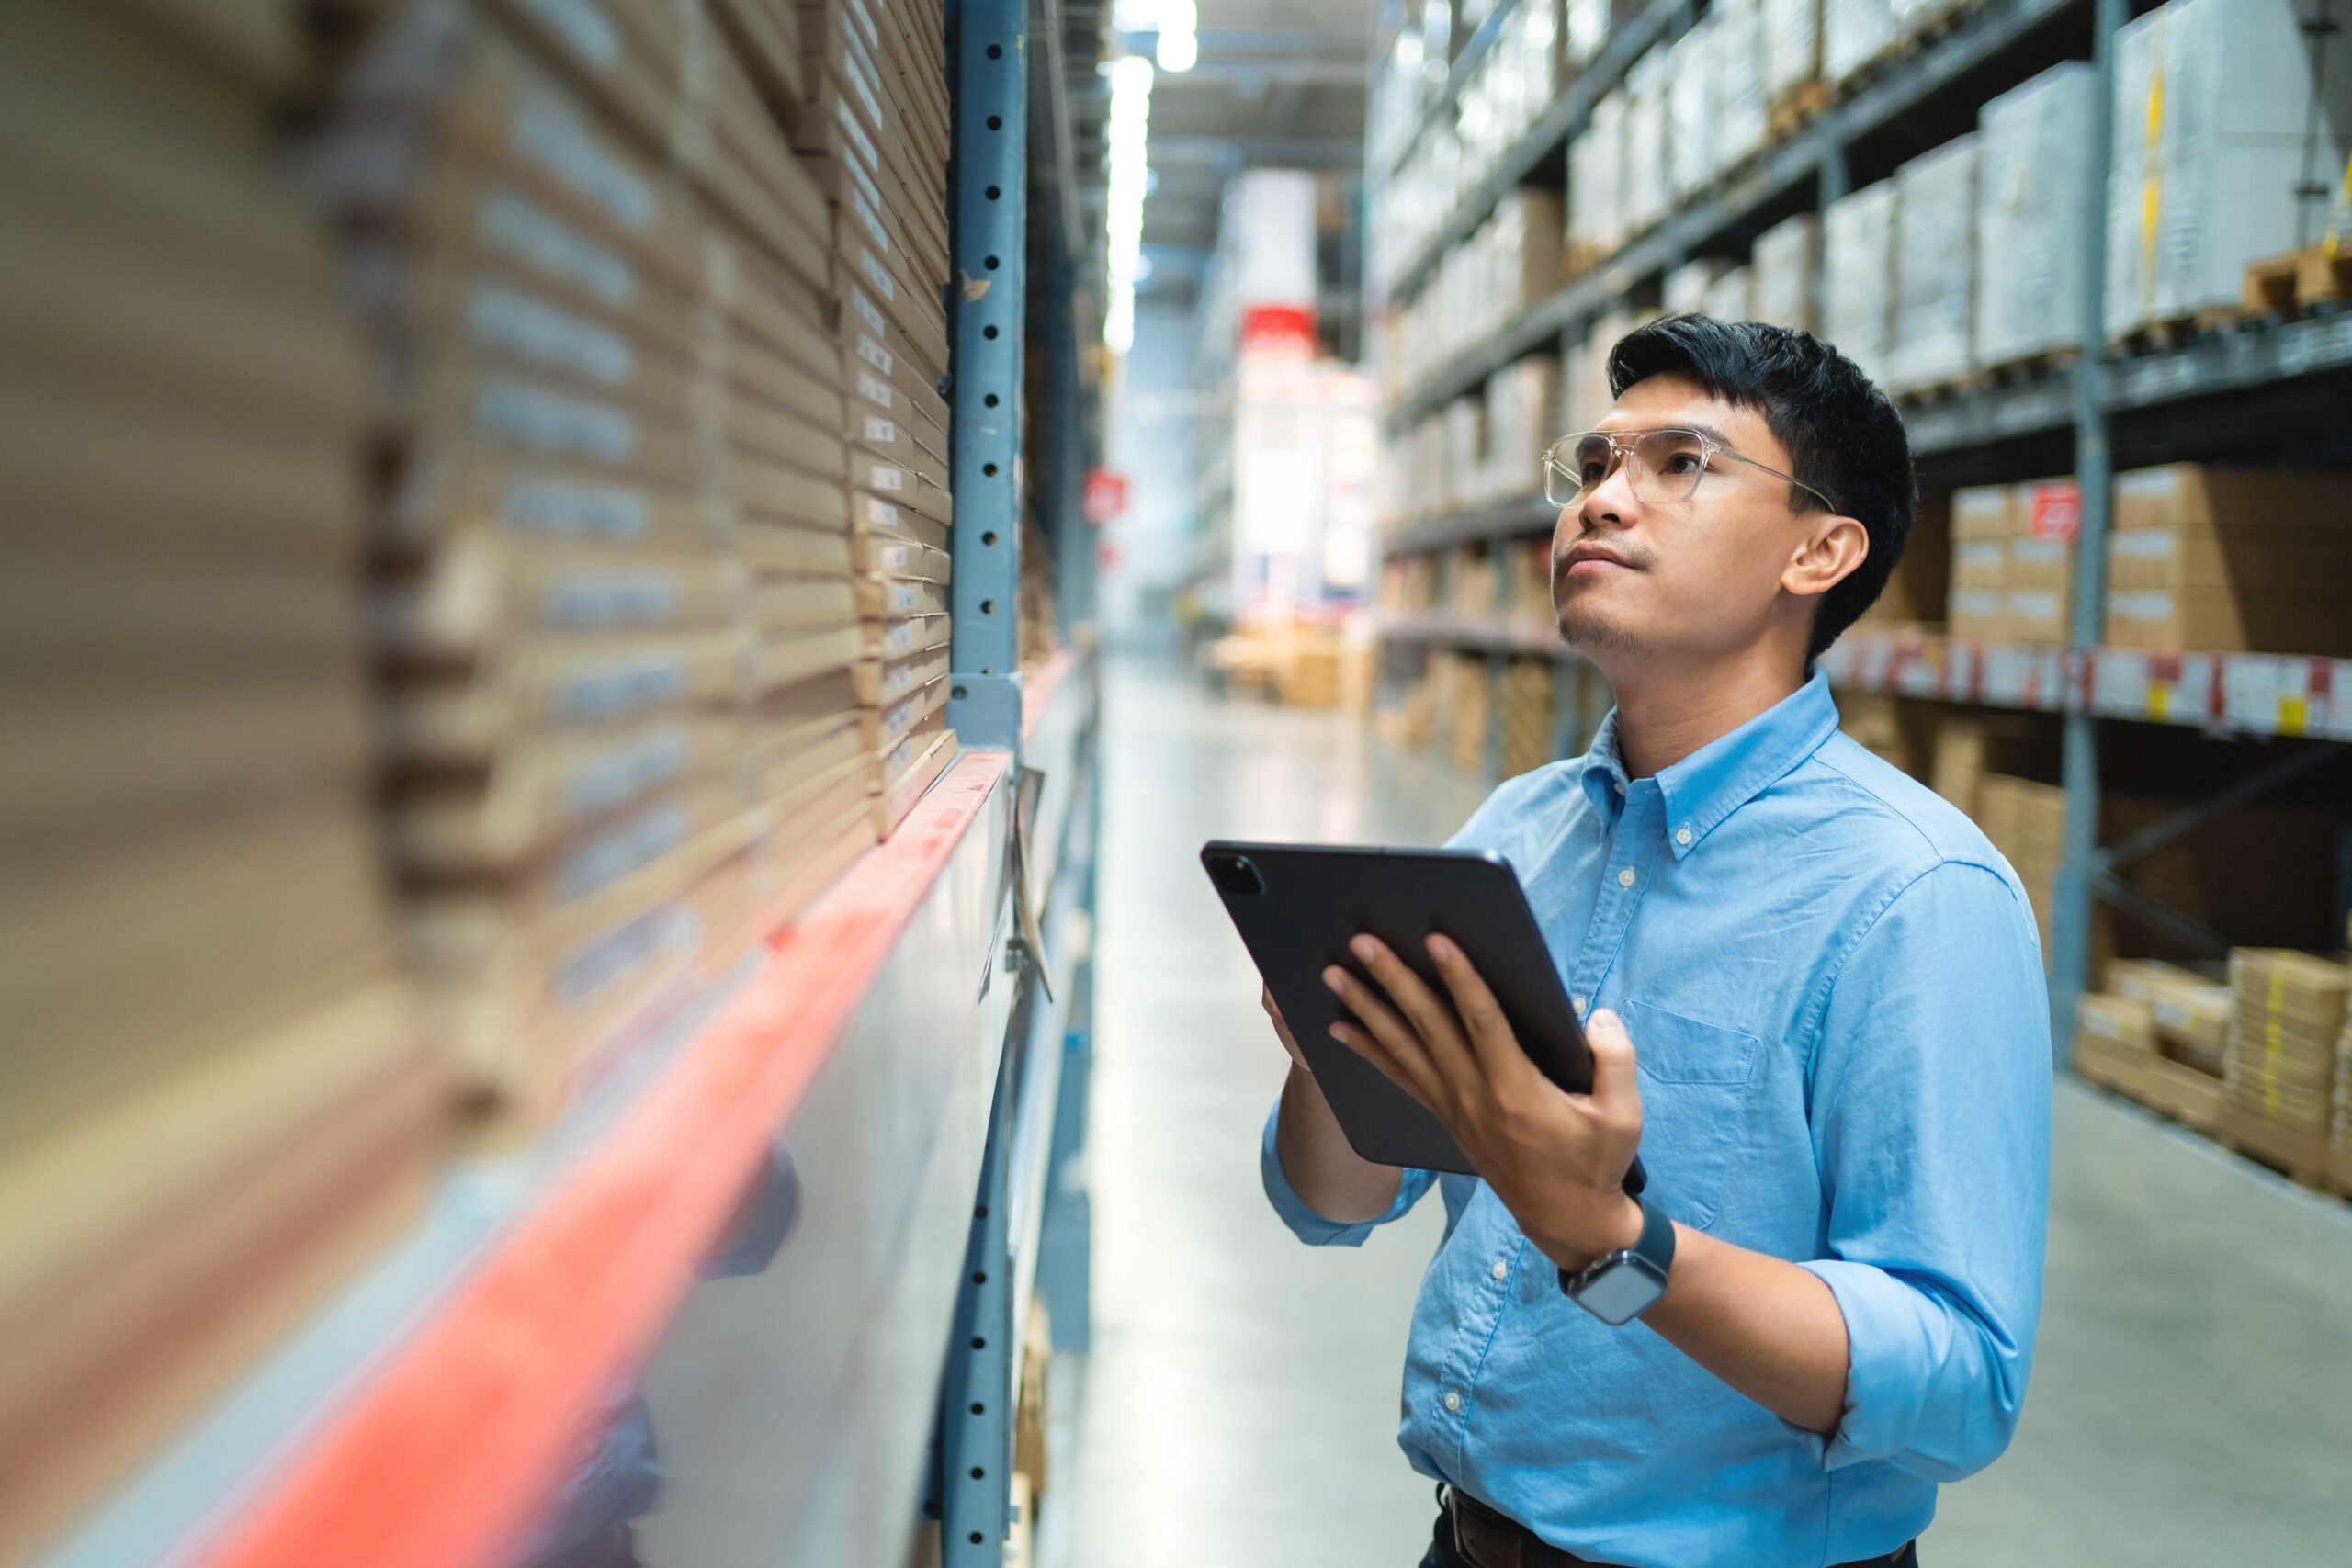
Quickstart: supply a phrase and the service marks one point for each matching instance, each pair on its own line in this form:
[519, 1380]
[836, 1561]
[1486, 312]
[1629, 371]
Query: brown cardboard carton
[2203, 554]
[2034, 561]
[2034, 615]
[2210, 493]
[1980, 563]
[1981, 513]
[2310, 621]
[2192, 1014]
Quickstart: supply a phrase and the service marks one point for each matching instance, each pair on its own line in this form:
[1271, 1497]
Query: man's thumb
[1612, 1057]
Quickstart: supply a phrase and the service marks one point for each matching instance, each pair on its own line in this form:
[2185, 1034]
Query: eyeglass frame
[1620, 448]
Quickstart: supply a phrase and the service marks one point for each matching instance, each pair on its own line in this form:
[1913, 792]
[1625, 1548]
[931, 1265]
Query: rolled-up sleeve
[1930, 1121]
[1305, 1223]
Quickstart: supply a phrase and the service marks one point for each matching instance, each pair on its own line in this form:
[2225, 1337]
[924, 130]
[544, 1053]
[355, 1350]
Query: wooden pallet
[2317, 278]
[2042, 367]
[1950, 389]
[2162, 337]
[1796, 108]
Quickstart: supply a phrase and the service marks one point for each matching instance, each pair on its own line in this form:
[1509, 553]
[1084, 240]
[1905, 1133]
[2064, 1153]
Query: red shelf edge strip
[443, 1459]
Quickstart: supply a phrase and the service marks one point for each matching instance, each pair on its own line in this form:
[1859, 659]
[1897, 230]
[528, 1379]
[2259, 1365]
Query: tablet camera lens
[1236, 877]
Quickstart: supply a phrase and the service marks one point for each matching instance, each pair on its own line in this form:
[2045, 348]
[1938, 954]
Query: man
[1815, 998]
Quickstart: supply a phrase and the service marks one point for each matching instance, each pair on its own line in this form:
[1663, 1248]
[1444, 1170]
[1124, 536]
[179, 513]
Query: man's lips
[1588, 561]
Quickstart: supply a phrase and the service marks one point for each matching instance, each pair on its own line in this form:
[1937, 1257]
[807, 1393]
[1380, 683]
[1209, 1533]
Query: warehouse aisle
[2192, 1404]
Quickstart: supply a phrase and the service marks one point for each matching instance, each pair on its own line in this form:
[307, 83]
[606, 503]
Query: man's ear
[1834, 550]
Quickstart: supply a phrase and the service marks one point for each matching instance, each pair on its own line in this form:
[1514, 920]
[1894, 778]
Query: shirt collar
[1729, 772]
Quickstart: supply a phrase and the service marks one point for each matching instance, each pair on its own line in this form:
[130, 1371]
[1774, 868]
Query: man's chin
[1593, 633]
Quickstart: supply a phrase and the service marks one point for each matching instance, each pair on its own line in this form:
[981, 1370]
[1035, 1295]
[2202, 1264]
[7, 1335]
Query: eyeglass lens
[1663, 466]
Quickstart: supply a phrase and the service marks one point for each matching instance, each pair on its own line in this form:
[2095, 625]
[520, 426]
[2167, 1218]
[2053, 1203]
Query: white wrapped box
[1732, 297]
[1584, 391]
[2217, 187]
[1597, 185]
[1853, 34]
[1858, 276]
[1686, 287]
[1787, 264]
[1648, 191]
[1690, 98]
[2033, 226]
[1523, 419]
[1934, 266]
[1740, 105]
[1791, 46]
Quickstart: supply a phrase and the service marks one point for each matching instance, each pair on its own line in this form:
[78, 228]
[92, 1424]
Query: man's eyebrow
[1711, 434]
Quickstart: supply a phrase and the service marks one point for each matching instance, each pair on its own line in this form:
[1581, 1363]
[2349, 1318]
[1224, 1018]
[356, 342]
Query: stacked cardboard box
[1531, 583]
[1935, 268]
[1969, 747]
[1685, 289]
[1900, 732]
[214, 1097]
[2033, 226]
[1648, 187]
[2289, 1012]
[1689, 96]
[1854, 34]
[2115, 1044]
[1917, 589]
[2189, 1013]
[1792, 36]
[1597, 187]
[613, 554]
[1787, 264]
[1732, 297]
[1462, 700]
[873, 122]
[1528, 705]
[2027, 822]
[2012, 560]
[1474, 585]
[2222, 109]
[2228, 560]
[1857, 234]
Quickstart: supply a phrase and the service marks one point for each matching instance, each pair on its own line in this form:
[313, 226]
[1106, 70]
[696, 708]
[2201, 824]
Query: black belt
[1486, 1539]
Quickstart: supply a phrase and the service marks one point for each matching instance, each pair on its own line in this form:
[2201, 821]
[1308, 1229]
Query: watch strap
[1654, 1246]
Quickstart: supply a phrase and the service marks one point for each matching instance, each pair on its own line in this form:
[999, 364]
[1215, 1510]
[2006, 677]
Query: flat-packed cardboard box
[2211, 493]
[2232, 621]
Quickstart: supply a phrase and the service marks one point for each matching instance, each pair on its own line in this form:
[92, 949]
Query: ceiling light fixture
[1127, 178]
[1179, 39]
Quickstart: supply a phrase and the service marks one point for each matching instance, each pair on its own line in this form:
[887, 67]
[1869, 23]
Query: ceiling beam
[1257, 152]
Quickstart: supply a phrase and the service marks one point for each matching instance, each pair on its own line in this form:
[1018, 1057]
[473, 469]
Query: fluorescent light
[1127, 179]
[1180, 40]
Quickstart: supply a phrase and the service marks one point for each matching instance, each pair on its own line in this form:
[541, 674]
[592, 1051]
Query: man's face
[1634, 578]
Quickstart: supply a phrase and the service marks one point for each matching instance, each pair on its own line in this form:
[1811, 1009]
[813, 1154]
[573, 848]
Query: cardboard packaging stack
[2189, 1013]
[2282, 1057]
[1787, 262]
[2222, 559]
[1791, 52]
[1590, 23]
[1732, 297]
[2027, 822]
[215, 1098]
[2032, 228]
[873, 122]
[1854, 34]
[1935, 268]
[1515, 418]
[2222, 109]
[1741, 107]
[1597, 187]
[1462, 697]
[2013, 560]
[1897, 732]
[595, 286]
[1691, 74]
[1918, 589]
[1685, 289]
[1531, 583]
[1858, 278]
[1527, 709]
[1648, 143]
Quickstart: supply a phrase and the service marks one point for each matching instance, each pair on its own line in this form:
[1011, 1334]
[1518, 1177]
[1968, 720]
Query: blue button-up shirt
[1835, 993]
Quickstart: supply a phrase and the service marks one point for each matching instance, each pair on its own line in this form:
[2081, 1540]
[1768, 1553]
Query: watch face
[1623, 1290]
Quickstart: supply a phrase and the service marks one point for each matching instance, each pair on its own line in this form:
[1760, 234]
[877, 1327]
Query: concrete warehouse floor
[2192, 1405]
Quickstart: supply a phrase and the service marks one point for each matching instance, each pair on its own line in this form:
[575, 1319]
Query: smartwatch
[1620, 1287]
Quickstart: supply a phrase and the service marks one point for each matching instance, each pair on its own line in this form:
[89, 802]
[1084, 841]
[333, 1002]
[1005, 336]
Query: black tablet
[1297, 906]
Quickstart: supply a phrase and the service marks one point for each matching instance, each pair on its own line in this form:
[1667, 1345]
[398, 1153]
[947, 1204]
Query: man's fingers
[1395, 1035]
[1616, 1091]
[1364, 1045]
[1491, 1040]
[1430, 1015]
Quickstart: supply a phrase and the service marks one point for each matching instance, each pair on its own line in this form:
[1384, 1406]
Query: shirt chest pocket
[1696, 1080]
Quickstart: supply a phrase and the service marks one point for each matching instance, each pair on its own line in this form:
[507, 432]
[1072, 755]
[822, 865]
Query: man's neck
[1664, 716]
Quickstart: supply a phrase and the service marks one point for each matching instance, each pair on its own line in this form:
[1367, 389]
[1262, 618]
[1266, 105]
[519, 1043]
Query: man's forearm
[1768, 1328]
[1325, 1172]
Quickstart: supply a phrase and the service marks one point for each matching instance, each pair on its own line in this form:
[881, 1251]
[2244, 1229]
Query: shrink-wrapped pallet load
[1935, 268]
[2032, 224]
[1857, 234]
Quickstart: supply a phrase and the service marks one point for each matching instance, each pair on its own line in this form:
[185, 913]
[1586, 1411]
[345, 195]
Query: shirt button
[1579, 1003]
[1682, 837]
[1617, 784]
[1626, 877]
[1501, 1271]
[1453, 1403]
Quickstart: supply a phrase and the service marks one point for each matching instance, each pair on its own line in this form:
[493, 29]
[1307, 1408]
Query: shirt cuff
[1305, 1223]
[1886, 1370]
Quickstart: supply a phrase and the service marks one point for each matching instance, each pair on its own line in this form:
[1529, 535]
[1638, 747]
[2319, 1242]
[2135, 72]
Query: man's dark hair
[1843, 437]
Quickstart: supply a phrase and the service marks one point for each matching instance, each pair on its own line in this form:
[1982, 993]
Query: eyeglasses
[1663, 467]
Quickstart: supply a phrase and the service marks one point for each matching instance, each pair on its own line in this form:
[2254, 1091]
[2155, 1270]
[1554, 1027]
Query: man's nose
[1611, 503]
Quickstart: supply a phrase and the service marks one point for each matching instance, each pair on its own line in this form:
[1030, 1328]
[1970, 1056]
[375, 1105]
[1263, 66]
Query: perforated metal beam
[988, 43]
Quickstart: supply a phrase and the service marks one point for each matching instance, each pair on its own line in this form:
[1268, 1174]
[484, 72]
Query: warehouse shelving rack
[888, 1082]
[2108, 409]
